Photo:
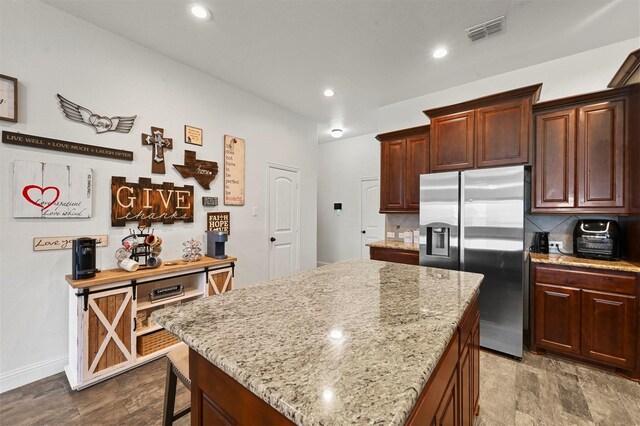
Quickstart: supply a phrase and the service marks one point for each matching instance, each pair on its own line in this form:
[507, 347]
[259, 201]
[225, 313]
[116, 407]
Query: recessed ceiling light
[440, 52]
[328, 93]
[335, 334]
[200, 12]
[336, 133]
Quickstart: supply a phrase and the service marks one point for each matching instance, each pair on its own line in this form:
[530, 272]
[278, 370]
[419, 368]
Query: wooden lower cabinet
[586, 314]
[557, 316]
[409, 257]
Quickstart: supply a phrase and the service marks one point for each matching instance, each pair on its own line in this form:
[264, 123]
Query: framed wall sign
[51, 191]
[210, 201]
[193, 135]
[8, 98]
[146, 202]
[233, 171]
[219, 221]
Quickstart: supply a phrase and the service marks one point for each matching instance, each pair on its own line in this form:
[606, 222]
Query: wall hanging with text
[233, 171]
[146, 202]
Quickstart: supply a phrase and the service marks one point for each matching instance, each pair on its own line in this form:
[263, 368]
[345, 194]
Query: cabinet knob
[272, 239]
[363, 231]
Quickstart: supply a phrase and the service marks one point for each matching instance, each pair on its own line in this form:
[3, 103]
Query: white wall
[51, 52]
[342, 162]
[584, 72]
[341, 165]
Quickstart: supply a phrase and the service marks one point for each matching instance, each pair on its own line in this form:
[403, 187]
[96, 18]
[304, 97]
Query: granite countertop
[396, 245]
[350, 342]
[567, 260]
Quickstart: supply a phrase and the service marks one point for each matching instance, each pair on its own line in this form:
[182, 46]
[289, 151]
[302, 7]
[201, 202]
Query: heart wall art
[51, 191]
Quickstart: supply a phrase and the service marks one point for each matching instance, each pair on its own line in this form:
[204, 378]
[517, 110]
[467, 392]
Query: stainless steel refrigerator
[474, 221]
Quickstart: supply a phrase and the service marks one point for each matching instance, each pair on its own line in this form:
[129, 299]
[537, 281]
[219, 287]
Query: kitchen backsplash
[559, 227]
[399, 223]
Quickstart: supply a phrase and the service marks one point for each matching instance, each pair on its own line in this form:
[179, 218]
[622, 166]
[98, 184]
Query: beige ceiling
[371, 52]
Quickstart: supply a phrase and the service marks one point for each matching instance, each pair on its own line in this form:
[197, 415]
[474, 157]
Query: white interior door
[371, 221]
[284, 212]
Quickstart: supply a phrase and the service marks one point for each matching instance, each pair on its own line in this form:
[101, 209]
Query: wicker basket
[152, 342]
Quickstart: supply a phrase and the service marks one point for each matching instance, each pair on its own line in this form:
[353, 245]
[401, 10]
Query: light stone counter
[396, 245]
[350, 342]
[566, 260]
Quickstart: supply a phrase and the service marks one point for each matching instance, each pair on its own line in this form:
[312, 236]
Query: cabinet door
[393, 161]
[466, 382]
[557, 318]
[108, 335]
[475, 351]
[609, 328]
[555, 159]
[417, 164]
[452, 142]
[219, 281]
[600, 155]
[502, 133]
[448, 412]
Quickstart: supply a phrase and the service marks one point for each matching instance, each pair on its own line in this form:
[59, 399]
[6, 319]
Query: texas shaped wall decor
[204, 172]
[100, 123]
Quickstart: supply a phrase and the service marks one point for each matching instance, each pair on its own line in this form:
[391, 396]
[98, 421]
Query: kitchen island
[358, 341]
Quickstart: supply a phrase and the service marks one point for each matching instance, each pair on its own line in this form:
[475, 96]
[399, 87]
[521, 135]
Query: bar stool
[177, 368]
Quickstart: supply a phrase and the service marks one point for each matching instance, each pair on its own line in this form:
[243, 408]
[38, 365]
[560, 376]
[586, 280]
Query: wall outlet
[391, 234]
[555, 246]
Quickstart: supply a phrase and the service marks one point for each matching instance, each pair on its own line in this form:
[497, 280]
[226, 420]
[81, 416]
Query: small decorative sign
[210, 201]
[100, 123]
[219, 221]
[8, 98]
[147, 202]
[193, 135]
[61, 243]
[64, 146]
[233, 171]
[201, 170]
[51, 191]
[158, 144]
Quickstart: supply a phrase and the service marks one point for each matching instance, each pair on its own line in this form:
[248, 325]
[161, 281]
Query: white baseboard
[30, 373]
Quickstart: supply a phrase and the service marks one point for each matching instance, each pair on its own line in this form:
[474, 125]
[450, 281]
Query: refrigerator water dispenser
[438, 241]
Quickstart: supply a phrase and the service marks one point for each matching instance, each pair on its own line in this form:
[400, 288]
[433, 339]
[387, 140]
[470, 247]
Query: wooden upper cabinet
[600, 155]
[417, 164]
[554, 177]
[393, 159]
[584, 150]
[452, 142]
[502, 133]
[404, 156]
[487, 132]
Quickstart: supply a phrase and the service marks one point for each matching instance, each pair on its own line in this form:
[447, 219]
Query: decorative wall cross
[159, 143]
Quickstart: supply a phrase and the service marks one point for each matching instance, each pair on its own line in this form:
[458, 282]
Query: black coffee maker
[83, 260]
[540, 243]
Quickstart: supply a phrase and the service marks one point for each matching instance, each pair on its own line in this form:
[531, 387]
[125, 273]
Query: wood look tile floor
[539, 390]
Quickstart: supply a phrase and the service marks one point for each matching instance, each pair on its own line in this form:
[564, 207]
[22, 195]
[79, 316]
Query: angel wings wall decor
[100, 123]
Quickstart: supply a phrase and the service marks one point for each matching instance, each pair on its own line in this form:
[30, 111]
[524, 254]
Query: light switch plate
[391, 234]
[254, 211]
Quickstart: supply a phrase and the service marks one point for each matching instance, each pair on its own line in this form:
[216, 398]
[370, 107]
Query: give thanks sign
[146, 202]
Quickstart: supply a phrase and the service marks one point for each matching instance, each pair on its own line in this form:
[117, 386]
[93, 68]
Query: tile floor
[539, 390]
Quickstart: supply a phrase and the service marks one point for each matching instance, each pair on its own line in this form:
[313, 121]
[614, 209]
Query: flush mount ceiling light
[440, 52]
[328, 93]
[200, 12]
[336, 133]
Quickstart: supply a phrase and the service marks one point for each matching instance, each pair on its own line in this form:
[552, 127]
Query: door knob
[272, 239]
[363, 231]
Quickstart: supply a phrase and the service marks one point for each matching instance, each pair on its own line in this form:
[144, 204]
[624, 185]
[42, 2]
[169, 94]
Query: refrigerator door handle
[461, 242]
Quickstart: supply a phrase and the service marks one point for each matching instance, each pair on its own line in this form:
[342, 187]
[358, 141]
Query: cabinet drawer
[618, 282]
[393, 255]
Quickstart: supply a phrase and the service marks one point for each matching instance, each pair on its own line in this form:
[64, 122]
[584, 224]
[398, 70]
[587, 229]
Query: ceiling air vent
[480, 31]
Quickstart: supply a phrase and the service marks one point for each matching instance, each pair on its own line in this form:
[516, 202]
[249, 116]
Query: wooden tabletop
[115, 275]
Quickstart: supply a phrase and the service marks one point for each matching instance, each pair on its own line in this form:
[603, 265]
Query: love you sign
[51, 191]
